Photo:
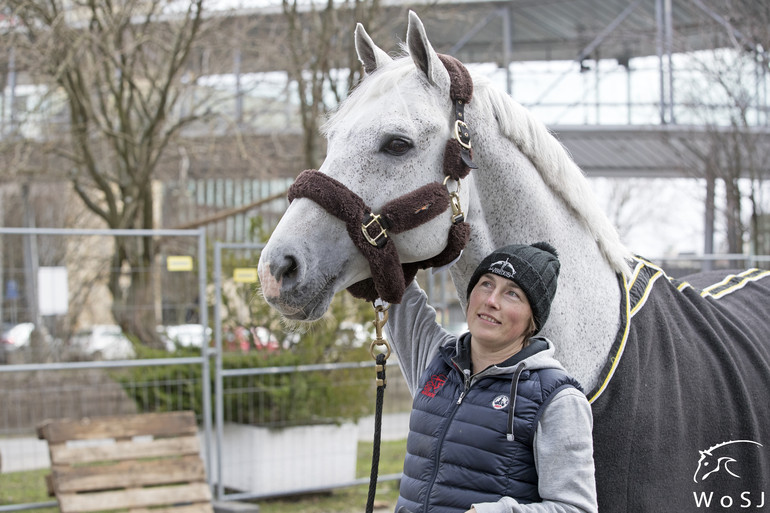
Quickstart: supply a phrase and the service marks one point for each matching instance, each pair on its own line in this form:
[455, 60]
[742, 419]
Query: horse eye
[397, 146]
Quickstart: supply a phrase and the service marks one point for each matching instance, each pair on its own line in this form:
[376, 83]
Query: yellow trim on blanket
[647, 290]
[616, 358]
[738, 282]
[707, 290]
[627, 284]
[735, 282]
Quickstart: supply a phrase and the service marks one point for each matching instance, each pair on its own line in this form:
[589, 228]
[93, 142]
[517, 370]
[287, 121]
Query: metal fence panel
[280, 429]
[64, 353]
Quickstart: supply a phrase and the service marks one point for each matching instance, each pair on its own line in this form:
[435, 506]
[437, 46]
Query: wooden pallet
[127, 462]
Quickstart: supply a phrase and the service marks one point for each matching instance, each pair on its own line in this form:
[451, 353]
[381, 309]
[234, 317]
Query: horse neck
[510, 203]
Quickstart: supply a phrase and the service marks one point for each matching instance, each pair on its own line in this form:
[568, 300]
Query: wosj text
[745, 500]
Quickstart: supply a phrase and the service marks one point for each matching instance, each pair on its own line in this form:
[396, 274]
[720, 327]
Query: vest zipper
[440, 443]
[466, 385]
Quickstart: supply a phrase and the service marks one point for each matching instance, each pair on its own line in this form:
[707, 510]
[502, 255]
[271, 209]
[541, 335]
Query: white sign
[52, 290]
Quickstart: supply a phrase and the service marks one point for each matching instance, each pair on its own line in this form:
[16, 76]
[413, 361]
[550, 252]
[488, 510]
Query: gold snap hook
[458, 216]
[380, 319]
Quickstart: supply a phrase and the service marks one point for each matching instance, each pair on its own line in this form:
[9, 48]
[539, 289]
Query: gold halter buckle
[463, 134]
[381, 238]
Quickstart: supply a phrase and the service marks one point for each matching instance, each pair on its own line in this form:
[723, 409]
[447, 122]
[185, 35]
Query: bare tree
[320, 44]
[736, 80]
[755, 17]
[118, 67]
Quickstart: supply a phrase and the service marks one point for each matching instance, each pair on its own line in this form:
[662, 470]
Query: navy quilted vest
[458, 449]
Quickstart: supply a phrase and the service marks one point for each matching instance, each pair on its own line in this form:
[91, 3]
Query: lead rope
[380, 318]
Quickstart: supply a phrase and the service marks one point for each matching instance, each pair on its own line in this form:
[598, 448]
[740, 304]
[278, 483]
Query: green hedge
[280, 399]
[294, 398]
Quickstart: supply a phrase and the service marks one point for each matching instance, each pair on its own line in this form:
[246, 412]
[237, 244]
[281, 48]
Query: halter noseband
[370, 232]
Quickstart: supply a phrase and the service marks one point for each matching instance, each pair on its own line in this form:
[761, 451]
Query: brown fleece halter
[370, 232]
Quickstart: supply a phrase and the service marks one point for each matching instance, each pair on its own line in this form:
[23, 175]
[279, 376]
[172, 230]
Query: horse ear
[370, 55]
[423, 54]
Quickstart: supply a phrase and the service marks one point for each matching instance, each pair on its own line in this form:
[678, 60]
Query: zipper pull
[466, 383]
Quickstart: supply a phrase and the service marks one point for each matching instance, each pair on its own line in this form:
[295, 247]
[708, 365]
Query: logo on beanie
[502, 268]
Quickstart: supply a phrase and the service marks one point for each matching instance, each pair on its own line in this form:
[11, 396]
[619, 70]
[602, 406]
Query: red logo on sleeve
[434, 383]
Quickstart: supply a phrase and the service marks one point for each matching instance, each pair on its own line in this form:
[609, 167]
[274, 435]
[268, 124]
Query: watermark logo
[718, 458]
[722, 463]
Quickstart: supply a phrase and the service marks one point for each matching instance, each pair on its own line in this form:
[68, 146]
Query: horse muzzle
[285, 287]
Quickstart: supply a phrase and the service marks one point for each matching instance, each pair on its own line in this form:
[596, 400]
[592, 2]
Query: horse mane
[529, 134]
[556, 168]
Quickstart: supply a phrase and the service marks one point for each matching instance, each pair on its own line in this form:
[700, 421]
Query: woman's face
[498, 314]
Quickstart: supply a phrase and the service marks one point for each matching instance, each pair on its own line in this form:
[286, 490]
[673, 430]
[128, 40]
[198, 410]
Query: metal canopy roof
[512, 30]
[521, 30]
[478, 31]
[656, 151]
[518, 30]
[475, 31]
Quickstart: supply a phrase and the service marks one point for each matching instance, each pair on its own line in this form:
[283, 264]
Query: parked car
[103, 342]
[17, 336]
[184, 335]
[18, 340]
[260, 338]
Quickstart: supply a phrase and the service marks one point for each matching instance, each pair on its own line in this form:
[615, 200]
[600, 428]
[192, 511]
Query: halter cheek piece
[370, 232]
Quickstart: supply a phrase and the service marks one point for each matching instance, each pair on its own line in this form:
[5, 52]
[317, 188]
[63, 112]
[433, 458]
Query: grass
[29, 487]
[25, 487]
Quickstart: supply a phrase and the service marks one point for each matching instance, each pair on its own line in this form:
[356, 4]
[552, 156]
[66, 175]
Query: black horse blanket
[682, 416]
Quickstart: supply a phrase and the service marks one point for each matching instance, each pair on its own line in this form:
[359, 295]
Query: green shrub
[274, 399]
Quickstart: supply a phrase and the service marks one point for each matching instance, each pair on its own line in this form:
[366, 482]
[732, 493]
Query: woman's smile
[499, 315]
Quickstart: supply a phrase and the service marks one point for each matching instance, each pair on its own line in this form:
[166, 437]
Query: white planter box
[265, 461]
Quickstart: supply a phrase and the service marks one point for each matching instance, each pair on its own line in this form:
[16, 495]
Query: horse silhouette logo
[502, 268]
[718, 458]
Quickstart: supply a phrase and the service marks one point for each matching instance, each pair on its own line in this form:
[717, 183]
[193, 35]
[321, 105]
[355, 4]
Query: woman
[497, 425]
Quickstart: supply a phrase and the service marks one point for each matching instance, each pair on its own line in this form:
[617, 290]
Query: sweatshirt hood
[539, 354]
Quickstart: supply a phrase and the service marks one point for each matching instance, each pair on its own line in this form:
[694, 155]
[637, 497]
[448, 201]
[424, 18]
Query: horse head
[710, 463]
[386, 150]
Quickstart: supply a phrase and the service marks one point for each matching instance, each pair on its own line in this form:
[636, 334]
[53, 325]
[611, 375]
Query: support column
[708, 224]
[664, 47]
[668, 48]
[507, 48]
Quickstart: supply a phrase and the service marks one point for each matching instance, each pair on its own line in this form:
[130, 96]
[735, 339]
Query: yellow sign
[179, 263]
[245, 275]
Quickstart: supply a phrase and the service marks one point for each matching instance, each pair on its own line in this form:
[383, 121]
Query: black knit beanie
[534, 268]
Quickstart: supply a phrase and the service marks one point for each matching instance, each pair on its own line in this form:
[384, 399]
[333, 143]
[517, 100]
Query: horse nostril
[288, 269]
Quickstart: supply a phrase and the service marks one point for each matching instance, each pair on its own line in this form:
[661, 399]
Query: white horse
[388, 138]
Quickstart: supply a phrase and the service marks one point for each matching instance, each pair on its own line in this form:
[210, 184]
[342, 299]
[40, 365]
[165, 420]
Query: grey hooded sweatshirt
[563, 444]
